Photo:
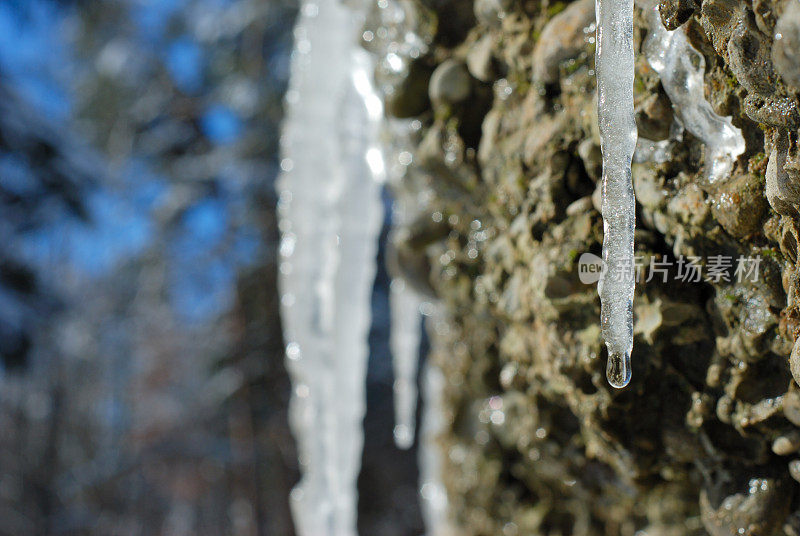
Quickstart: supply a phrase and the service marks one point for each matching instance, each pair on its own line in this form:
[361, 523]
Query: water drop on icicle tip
[618, 370]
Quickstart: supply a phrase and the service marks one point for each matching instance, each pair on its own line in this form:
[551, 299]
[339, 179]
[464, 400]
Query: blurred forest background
[142, 388]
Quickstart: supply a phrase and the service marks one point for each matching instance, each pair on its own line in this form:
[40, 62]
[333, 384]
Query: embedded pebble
[794, 469]
[676, 12]
[479, 59]
[649, 193]
[581, 206]
[739, 206]
[592, 158]
[491, 12]
[450, 83]
[689, 205]
[791, 407]
[787, 443]
[561, 39]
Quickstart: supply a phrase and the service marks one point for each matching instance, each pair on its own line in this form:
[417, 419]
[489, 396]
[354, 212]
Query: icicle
[405, 301]
[398, 32]
[331, 215]
[406, 325]
[681, 69]
[432, 491]
[614, 66]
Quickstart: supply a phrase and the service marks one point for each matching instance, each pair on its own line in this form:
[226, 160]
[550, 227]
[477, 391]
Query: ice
[432, 491]
[406, 326]
[405, 301]
[658, 152]
[614, 67]
[331, 214]
[681, 69]
[398, 33]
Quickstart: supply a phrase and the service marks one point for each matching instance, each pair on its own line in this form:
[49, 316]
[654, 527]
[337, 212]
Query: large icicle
[681, 69]
[331, 215]
[614, 66]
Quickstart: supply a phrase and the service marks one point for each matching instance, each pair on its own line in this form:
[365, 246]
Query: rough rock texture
[704, 440]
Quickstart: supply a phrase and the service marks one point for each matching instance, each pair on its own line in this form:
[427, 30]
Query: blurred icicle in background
[143, 388]
[143, 391]
[338, 149]
[331, 215]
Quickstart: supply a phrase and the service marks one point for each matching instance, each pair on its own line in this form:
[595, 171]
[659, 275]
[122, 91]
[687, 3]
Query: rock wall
[506, 165]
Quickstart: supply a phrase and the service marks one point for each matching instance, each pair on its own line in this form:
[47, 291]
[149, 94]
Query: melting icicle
[681, 69]
[614, 66]
[331, 215]
[406, 325]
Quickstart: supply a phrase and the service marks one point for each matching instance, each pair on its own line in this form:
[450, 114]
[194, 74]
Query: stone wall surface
[506, 164]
